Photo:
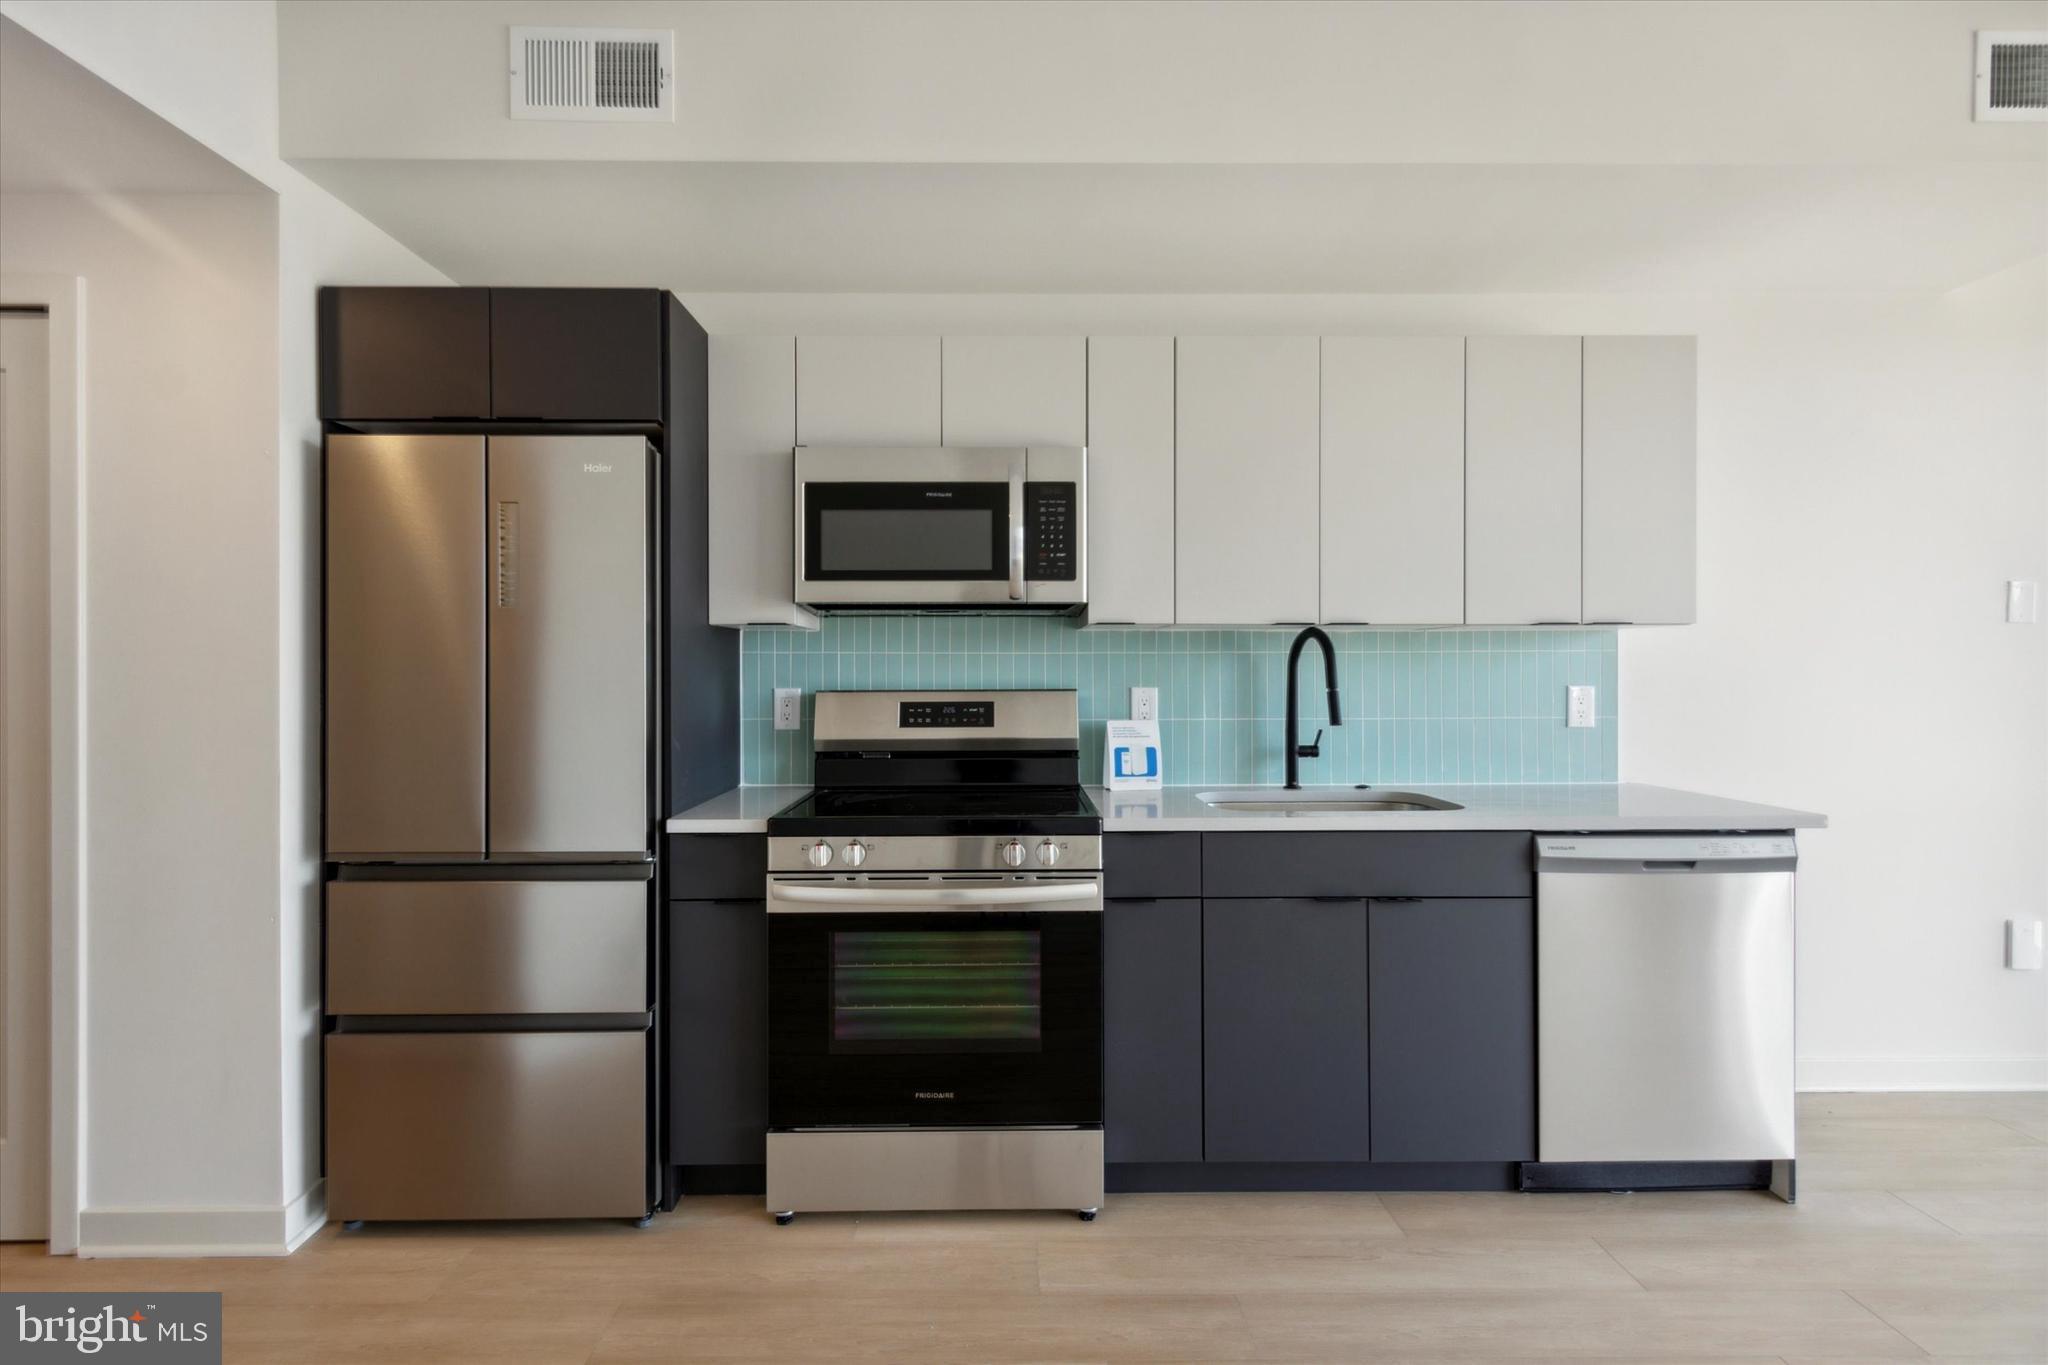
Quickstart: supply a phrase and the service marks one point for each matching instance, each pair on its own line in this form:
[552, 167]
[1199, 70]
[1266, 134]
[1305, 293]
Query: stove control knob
[819, 854]
[854, 854]
[1048, 853]
[1012, 853]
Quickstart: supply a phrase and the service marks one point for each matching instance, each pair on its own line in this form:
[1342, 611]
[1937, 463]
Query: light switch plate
[789, 708]
[1144, 703]
[1579, 712]
[2023, 945]
[2022, 601]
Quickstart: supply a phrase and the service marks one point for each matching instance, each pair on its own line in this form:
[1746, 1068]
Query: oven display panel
[952, 715]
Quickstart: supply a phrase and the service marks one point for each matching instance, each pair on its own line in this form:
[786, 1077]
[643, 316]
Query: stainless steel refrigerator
[491, 727]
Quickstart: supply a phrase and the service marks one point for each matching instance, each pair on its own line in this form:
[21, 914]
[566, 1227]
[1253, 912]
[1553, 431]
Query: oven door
[934, 1002]
[909, 527]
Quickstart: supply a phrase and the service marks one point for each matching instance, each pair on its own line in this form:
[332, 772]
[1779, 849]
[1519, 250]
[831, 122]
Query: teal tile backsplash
[1419, 706]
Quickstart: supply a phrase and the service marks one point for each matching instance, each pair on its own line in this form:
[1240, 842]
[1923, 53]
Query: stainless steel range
[935, 960]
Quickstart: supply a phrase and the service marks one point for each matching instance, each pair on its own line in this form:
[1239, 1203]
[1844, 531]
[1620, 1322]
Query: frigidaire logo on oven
[937, 493]
[932, 1094]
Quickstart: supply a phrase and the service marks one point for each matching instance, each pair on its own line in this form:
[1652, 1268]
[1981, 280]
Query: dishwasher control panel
[1665, 848]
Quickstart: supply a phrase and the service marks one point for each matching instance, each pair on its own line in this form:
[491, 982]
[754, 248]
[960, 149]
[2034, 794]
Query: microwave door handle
[811, 898]
[1016, 535]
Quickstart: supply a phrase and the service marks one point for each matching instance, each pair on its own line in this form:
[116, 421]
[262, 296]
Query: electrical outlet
[1144, 703]
[1579, 710]
[2023, 945]
[789, 708]
[2022, 601]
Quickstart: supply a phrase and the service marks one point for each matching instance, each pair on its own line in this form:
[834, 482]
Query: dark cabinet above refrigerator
[401, 355]
[540, 355]
[567, 355]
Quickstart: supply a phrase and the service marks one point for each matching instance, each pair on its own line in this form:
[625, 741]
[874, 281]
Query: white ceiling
[1192, 147]
[64, 129]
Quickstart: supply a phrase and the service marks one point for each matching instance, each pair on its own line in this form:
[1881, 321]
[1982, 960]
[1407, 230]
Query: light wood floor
[1921, 1231]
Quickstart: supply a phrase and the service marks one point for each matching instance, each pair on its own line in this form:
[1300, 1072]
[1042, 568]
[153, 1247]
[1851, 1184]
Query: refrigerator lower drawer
[487, 1125]
[506, 947]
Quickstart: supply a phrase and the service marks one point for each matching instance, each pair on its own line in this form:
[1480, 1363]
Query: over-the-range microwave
[947, 528]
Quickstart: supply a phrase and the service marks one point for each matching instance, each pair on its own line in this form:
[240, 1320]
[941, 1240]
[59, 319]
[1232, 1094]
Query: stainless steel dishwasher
[1664, 999]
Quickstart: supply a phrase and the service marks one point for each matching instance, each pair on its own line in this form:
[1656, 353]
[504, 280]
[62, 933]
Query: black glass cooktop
[940, 810]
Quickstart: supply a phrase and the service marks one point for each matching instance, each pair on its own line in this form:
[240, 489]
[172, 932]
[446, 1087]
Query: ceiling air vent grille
[617, 75]
[2012, 77]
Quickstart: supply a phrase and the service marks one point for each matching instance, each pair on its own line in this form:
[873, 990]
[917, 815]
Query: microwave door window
[953, 543]
[880, 532]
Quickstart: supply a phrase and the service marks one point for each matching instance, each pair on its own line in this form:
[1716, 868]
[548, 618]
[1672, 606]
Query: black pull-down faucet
[1296, 750]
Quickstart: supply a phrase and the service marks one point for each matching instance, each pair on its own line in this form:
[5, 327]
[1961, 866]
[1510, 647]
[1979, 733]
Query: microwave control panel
[1050, 525]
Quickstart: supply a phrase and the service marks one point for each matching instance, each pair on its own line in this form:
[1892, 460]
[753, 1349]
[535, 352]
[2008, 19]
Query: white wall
[181, 1081]
[1872, 469]
[207, 1173]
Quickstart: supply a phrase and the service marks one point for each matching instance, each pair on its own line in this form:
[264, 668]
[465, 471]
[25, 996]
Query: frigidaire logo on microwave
[937, 493]
[932, 1094]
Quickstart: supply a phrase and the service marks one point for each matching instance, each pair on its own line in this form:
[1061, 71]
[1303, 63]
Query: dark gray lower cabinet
[1453, 1004]
[1152, 1030]
[1286, 1048]
[718, 1033]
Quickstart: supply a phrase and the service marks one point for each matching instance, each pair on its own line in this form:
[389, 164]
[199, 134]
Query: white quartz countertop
[1575, 807]
[1585, 806]
[743, 810]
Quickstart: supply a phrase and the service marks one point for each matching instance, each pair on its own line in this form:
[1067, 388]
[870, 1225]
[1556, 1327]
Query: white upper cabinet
[1015, 391]
[1521, 480]
[867, 391]
[1245, 475]
[1130, 481]
[752, 428]
[1393, 481]
[1640, 496]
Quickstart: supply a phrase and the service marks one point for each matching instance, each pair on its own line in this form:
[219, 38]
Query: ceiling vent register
[2012, 77]
[593, 75]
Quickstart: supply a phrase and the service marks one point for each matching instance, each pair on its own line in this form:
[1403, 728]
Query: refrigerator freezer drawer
[487, 1125]
[487, 947]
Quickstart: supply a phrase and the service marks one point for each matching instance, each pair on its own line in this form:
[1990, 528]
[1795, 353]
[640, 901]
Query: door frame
[63, 298]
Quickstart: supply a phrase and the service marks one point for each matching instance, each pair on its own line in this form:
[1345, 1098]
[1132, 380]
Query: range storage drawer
[487, 1125]
[487, 947]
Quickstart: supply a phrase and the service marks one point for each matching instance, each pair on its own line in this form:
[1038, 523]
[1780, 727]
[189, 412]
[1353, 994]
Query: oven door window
[937, 990]
[906, 532]
[903, 1018]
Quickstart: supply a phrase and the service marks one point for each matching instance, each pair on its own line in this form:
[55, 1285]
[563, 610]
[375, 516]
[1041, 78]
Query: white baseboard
[1924, 1073]
[247, 1230]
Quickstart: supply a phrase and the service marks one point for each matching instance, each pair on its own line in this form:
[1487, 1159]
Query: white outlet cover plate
[1580, 711]
[789, 708]
[1144, 703]
[2022, 601]
[2023, 944]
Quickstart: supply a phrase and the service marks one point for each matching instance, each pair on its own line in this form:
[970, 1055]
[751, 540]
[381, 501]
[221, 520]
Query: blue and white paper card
[1130, 755]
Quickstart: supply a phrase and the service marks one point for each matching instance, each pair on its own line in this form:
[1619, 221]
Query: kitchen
[799, 770]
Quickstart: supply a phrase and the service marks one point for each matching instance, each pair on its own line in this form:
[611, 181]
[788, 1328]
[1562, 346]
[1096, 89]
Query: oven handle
[1056, 896]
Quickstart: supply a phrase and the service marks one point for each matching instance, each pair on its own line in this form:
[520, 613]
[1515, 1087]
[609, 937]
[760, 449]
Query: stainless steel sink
[1320, 801]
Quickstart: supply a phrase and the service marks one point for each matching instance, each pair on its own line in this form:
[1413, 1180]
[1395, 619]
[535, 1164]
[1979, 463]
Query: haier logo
[590, 468]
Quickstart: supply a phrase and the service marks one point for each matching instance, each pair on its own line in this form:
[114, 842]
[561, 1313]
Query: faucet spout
[1296, 750]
